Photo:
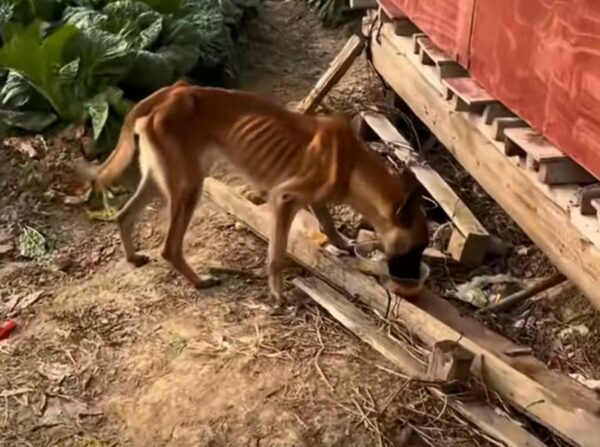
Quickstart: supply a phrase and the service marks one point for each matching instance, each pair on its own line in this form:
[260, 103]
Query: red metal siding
[541, 58]
[446, 22]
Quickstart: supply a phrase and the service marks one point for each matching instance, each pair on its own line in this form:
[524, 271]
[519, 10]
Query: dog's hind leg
[182, 204]
[126, 218]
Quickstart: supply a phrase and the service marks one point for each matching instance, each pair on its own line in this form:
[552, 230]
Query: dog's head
[406, 239]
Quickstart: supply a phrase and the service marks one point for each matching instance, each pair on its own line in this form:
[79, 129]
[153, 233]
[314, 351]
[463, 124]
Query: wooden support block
[596, 205]
[338, 67]
[468, 250]
[471, 96]
[416, 44]
[429, 54]
[494, 111]
[446, 67]
[511, 149]
[563, 172]
[501, 124]
[450, 362]
[535, 145]
[400, 23]
[585, 197]
[405, 27]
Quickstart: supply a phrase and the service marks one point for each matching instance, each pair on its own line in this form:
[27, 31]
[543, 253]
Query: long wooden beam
[546, 223]
[482, 415]
[557, 402]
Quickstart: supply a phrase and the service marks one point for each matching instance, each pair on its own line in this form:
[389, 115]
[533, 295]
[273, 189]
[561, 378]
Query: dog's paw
[207, 281]
[139, 260]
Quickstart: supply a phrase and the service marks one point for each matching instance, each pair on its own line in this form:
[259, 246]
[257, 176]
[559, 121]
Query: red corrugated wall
[541, 58]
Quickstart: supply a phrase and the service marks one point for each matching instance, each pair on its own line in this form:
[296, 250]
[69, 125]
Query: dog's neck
[376, 200]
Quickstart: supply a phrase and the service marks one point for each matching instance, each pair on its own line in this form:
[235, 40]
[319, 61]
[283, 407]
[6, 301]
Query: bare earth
[109, 355]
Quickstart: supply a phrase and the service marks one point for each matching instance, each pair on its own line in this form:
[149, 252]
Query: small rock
[238, 226]
[580, 329]
[64, 262]
[589, 383]
[519, 324]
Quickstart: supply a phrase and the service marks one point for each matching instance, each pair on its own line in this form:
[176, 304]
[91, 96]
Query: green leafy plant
[82, 60]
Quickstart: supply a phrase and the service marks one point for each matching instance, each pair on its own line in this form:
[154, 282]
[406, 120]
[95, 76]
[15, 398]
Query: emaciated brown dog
[302, 161]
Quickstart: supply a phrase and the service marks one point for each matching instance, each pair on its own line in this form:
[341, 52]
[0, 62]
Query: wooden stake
[338, 67]
[516, 298]
[450, 362]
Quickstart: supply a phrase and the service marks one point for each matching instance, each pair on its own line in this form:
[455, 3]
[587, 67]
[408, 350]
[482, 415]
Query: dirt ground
[108, 355]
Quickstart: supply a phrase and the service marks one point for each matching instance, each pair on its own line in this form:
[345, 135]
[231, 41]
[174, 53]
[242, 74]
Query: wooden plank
[512, 187]
[338, 67]
[555, 401]
[503, 429]
[518, 297]
[501, 124]
[585, 197]
[460, 214]
[360, 325]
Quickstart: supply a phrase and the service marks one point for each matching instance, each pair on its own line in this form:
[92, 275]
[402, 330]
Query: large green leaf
[40, 61]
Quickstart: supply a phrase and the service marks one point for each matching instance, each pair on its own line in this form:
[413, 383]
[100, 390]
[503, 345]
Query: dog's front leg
[284, 210]
[328, 228]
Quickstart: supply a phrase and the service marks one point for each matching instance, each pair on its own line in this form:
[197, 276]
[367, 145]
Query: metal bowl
[380, 269]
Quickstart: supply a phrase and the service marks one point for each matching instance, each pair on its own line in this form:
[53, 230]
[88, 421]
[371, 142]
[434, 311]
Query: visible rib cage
[261, 147]
[300, 160]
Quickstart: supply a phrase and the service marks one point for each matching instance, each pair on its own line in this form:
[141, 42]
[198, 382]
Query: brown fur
[302, 161]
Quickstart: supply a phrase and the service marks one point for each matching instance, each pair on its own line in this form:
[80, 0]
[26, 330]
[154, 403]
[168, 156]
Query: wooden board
[338, 67]
[447, 23]
[555, 401]
[546, 223]
[502, 428]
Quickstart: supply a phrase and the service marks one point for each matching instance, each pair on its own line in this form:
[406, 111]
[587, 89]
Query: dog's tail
[104, 176]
